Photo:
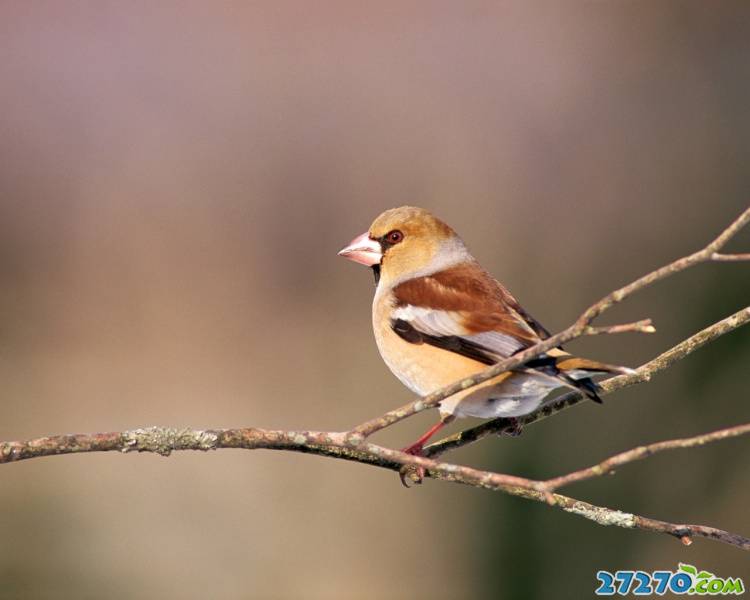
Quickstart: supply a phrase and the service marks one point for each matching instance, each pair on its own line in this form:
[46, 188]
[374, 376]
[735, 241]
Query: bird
[439, 317]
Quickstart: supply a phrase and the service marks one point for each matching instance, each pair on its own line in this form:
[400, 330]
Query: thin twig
[643, 326]
[729, 257]
[580, 328]
[641, 452]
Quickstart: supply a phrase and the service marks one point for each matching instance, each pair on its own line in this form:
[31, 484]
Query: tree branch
[352, 445]
[729, 257]
[165, 440]
[641, 452]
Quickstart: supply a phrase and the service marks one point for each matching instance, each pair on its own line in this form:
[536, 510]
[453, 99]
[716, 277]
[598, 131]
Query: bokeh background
[175, 181]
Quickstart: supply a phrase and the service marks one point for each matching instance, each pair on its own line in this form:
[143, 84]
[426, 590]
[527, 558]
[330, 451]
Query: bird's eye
[394, 237]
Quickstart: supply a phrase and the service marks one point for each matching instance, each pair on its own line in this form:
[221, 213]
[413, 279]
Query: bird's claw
[412, 473]
[514, 428]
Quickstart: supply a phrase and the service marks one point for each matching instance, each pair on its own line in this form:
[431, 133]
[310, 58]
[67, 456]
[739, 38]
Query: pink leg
[417, 447]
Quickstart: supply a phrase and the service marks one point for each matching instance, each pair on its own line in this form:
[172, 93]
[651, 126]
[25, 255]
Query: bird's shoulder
[478, 300]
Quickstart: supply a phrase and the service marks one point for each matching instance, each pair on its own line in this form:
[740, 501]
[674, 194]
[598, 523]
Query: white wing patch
[442, 323]
[498, 343]
[431, 321]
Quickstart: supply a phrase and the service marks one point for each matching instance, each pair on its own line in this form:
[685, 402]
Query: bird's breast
[420, 367]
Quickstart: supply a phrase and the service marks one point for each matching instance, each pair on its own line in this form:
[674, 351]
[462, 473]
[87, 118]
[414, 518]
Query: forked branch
[353, 445]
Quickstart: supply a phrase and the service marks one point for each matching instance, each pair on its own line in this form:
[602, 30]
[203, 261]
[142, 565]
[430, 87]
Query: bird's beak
[363, 250]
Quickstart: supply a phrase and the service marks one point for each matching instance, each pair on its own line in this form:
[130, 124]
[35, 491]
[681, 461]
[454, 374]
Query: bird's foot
[514, 428]
[412, 473]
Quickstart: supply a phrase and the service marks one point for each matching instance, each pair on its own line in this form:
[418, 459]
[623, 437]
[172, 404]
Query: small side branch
[641, 452]
[643, 326]
[729, 257]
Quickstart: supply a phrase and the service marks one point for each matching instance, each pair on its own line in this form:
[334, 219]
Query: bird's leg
[417, 448]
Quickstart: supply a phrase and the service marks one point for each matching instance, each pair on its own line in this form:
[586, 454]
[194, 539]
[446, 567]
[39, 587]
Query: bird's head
[406, 242]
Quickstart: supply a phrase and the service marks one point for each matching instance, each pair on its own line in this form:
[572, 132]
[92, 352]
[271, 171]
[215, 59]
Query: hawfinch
[439, 317]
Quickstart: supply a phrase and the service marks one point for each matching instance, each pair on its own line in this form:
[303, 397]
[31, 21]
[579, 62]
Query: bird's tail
[574, 372]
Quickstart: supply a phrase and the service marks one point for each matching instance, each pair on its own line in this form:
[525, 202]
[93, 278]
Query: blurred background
[175, 181]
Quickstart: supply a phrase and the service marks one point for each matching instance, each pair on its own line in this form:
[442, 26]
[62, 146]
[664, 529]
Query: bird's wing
[464, 310]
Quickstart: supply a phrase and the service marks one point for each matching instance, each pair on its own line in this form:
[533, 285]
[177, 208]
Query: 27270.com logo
[686, 580]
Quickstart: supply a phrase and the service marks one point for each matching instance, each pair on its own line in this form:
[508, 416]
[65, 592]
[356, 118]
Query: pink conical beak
[363, 250]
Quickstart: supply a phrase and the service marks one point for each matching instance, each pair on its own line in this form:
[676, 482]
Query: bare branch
[641, 452]
[683, 532]
[579, 329]
[729, 257]
[352, 445]
[165, 440]
[534, 490]
[643, 326]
